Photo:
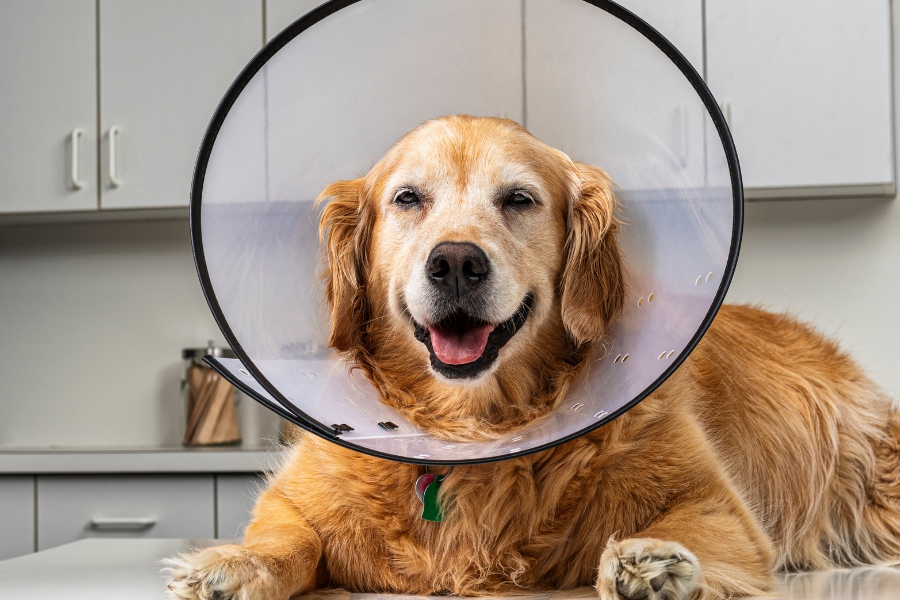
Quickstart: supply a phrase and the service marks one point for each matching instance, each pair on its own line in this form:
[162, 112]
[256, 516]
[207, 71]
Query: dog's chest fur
[536, 521]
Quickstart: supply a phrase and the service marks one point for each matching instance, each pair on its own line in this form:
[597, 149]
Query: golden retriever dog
[469, 275]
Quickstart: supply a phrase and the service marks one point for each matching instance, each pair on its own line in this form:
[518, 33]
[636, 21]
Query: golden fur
[768, 449]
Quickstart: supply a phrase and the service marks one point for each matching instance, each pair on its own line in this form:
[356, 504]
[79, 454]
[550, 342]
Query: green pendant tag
[431, 511]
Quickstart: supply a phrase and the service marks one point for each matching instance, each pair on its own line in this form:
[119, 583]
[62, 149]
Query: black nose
[457, 267]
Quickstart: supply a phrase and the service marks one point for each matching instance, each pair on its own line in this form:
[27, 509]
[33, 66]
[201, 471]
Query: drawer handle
[122, 523]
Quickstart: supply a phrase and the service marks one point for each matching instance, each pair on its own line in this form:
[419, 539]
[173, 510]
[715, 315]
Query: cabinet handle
[122, 523]
[111, 163]
[76, 183]
[726, 112]
[683, 124]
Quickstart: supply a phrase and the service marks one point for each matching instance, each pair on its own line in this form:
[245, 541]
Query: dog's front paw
[646, 569]
[220, 573]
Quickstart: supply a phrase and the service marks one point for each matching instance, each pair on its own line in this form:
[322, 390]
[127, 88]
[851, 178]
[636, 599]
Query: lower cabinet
[71, 507]
[16, 515]
[235, 497]
[42, 511]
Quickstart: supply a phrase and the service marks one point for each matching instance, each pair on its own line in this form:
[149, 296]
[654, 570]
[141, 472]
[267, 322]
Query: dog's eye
[407, 198]
[518, 198]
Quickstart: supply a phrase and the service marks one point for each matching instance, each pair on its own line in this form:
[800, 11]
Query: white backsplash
[93, 318]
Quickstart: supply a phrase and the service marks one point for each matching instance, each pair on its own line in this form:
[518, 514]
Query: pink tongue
[454, 348]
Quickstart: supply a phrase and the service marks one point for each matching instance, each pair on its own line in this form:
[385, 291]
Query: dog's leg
[278, 559]
[706, 548]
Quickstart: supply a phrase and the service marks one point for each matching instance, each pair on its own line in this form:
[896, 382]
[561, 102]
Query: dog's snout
[457, 267]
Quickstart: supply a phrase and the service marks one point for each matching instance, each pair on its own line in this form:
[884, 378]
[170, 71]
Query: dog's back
[809, 441]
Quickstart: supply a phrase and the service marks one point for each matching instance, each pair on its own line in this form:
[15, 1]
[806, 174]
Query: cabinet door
[281, 13]
[123, 506]
[806, 87]
[164, 67]
[583, 64]
[48, 90]
[342, 93]
[680, 21]
[235, 497]
[16, 515]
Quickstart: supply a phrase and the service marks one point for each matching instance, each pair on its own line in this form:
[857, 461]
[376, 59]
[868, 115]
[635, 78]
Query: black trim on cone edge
[230, 378]
[312, 425]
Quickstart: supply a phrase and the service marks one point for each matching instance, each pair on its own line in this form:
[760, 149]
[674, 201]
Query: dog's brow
[514, 171]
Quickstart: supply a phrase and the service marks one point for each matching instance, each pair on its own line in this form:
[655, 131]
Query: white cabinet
[16, 515]
[340, 95]
[583, 64]
[75, 507]
[679, 21]
[806, 88]
[43, 511]
[806, 85]
[164, 66]
[48, 90]
[235, 497]
[281, 13]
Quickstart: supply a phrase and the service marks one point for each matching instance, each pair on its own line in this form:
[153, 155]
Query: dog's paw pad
[218, 573]
[647, 569]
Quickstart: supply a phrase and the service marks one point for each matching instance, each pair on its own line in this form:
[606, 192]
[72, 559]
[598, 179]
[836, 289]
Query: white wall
[835, 263]
[93, 318]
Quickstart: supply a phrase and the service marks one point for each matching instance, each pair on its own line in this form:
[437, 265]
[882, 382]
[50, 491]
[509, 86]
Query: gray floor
[115, 569]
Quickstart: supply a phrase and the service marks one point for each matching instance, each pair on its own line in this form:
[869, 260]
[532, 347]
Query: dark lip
[498, 338]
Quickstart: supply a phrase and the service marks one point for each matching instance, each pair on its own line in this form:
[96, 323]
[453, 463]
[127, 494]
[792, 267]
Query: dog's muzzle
[462, 346]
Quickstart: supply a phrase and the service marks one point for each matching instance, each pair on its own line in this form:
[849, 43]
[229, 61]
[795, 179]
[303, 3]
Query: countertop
[173, 459]
[100, 569]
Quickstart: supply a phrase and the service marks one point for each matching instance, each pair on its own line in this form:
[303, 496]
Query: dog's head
[468, 264]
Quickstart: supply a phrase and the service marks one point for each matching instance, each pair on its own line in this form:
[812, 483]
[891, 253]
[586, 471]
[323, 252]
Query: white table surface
[98, 569]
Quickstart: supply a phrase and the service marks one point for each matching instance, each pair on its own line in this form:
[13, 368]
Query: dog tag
[421, 483]
[427, 487]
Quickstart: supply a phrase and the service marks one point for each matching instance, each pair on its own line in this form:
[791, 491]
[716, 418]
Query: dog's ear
[344, 232]
[592, 283]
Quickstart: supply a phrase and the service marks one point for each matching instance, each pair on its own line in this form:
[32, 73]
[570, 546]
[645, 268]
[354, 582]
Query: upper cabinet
[104, 103]
[679, 21]
[281, 13]
[48, 105]
[164, 65]
[582, 64]
[805, 86]
[342, 93]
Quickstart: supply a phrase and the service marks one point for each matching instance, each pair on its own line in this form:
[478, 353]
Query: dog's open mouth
[462, 346]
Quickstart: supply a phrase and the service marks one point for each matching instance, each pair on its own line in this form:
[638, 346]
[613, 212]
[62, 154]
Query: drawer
[75, 507]
[235, 497]
[16, 515]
